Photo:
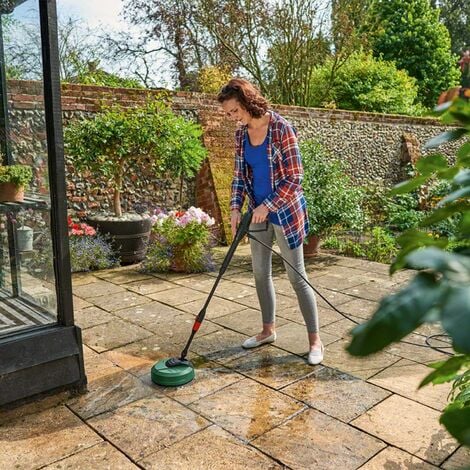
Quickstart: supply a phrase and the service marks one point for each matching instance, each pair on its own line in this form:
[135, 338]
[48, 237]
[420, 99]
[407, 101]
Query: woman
[268, 169]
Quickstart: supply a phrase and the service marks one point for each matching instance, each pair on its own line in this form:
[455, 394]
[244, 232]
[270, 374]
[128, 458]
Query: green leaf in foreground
[445, 371]
[457, 421]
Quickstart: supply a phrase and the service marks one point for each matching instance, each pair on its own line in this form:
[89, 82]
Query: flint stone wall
[375, 146]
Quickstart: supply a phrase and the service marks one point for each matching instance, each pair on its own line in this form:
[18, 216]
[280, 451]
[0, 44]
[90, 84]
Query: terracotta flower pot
[10, 192]
[312, 245]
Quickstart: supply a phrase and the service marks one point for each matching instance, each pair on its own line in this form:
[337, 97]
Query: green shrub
[376, 245]
[332, 199]
[409, 33]
[364, 83]
[381, 247]
[401, 212]
[211, 78]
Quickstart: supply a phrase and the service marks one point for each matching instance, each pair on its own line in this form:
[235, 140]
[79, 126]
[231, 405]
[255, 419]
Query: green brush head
[172, 375]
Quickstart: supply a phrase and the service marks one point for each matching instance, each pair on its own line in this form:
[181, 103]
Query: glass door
[27, 278]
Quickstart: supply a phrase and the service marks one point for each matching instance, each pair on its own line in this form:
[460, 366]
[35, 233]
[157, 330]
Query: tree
[455, 15]
[180, 29]
[275, 43]
[239, 31]
[409, 33]
[297, 44]
[134, 56]
[78, 47]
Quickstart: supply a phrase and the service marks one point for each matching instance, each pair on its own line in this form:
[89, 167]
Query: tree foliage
[410, 34]
[77, 48]
[112, 142]
[297, 35]
[364, 83]
[179, 27]
[277, 44]
[455, 15]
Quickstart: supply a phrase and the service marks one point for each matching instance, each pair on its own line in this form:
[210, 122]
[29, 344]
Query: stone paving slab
[92, 316]
[339, 395]
[314, 440]
[110, 391]
[96, 289]
[246, 321]
[119, 300]
[138, 357]
[262, 408]
[213, 448]
[113, 334]
[177, 296]
[102, 456]
[149, 286]
[396, 459]
[147, 425]
[218, 307]
[293, 338]
[338, 358]
[404, 377]
[458, 460]
[42, 438]
[409, 426]
[247, 409]
[271, 366]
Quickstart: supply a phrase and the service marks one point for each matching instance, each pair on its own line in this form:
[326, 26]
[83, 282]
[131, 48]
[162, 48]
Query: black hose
[428, 339]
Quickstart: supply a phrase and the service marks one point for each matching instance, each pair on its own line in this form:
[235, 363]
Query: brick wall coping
[27, 94]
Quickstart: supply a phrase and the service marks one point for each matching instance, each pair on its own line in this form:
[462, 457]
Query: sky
[94, 12]
[100, 15]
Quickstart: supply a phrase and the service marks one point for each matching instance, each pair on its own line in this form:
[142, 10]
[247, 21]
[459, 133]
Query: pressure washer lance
[179, 370]
[241, 232]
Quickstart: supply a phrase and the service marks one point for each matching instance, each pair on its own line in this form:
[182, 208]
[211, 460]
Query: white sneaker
[254, 343]
[316, 356]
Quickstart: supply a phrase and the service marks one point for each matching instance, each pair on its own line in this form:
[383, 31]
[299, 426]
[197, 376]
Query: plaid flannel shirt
[286, 173]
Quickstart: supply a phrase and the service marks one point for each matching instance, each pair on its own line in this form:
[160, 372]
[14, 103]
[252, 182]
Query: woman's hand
[235, 221]
[260, 214]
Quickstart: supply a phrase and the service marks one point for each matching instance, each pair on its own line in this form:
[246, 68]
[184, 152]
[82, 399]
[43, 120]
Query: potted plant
[181, 241]
[14, 179]
[118, 142]
[331, 197]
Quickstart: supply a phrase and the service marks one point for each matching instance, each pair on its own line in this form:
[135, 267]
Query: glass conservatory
[40, 347]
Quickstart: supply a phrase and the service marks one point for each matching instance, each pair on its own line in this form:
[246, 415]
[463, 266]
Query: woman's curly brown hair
[246, 94]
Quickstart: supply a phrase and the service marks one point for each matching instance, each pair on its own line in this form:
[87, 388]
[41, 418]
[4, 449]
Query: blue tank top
[256, 157]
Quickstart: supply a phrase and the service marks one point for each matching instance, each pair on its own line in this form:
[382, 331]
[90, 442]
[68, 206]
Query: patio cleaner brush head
[179, 371]
[172, 372]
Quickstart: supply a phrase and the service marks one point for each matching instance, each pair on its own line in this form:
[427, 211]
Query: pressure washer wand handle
[242, 230]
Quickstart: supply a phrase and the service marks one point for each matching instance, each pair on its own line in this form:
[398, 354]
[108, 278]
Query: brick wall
[372, 143]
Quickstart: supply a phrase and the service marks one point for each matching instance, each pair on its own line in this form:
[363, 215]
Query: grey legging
[261, 259]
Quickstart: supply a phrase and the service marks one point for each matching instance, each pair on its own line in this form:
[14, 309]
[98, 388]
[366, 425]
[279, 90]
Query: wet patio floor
[258, 409]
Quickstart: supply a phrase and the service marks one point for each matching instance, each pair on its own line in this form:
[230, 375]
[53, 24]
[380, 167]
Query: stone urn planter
[129, 234]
